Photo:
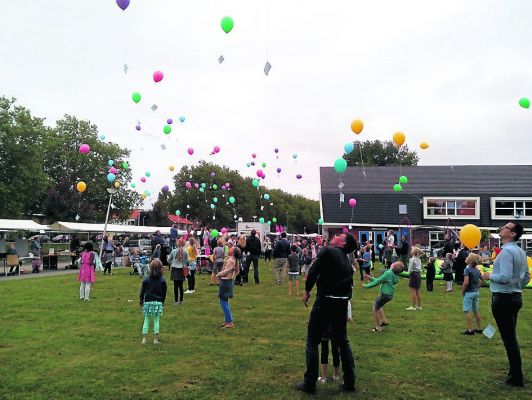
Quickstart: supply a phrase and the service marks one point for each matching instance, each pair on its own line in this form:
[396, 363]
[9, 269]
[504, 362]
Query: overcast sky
[449, 73]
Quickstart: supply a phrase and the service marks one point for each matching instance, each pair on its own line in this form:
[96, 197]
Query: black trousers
[178, 291]
[328, 312]
[324, 359]
[107, 267]
[430, 283]
[191, 278]
[505, 307]
[255, 260]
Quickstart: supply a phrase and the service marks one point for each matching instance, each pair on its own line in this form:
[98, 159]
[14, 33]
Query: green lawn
[53, 346]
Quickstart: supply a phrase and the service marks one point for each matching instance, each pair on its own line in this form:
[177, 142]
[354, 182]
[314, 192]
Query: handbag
[186, 271]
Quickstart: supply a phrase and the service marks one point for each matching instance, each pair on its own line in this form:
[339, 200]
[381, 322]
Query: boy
[472, 279]
[293, 270]
[431, 274]
[387, 280]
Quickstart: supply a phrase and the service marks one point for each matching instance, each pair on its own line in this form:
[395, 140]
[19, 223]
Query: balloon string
[361, 159]
[352, 211]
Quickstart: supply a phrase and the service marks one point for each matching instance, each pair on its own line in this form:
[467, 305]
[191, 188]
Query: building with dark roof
[435, 198]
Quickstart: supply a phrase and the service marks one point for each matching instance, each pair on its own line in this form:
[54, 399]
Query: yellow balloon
[143, 195]
[470, 235]
[399, 138]
[117, 184]
[424, 145]
[81, 186]
[357, 125]
[171, 167]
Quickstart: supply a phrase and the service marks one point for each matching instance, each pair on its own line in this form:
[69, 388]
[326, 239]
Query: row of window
[469, 207]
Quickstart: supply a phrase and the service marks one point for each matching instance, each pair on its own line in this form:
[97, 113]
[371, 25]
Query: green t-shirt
[388, 280]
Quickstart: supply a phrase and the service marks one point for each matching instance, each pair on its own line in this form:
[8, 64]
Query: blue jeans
[227, 311]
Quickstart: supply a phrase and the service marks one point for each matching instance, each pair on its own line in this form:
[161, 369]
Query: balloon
[143, 179]
[136, 97]
[133, 185]
[148, 193]
[158, 76]
[248, 165]
[278, 170]
[203, 185]
[223, 187]
[340, 165]
[216, 149]
[110, 163]
[525, 103]
[254, 155]
[123, 4]
[397, 187]
[202, 189]
[213, 174]
[352, 202]
[299, 176]
[167, 129]
[138, 127]
[263, 165]
[188, 185]
[117, 184]
[212, 206]
[165, 188]
[321, 221]
[403, 179]
[269, 222]
[182, 119]
[125, 165]
[424, 145]
[261, 220]
[215, 199]
[81, 186]
[253, 163]
[232, 200]
[276, 150]
[399, 138]
[357, 125]
[260, 173]
[470, 235]
[177, 212]
[224, 230]
[169, 121]
[196, 185]
[274, 220]
[111, 177]
[102, 137]
[349, 147]
[266, 196]
[215, 186]
[143, 195]
[112, 170]
[227, 24]
[294, 156]
[255, 183]
[190, 150]
[147, 174]
[214, 233]
[171, 167]
[84, 149]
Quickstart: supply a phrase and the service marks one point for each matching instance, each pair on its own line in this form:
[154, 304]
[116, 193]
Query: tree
[375, 152]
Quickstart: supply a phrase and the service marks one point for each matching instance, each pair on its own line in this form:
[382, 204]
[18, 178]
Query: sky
[447, 73]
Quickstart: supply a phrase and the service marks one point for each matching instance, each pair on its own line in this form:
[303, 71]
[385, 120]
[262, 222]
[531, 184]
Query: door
[364, 236]
[380, 237]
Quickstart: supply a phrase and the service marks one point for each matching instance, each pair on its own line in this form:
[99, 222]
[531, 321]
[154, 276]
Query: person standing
[253, 248]
[241, 244]
[509, 276]
[268, 251]
[178, 260]
[173, 236]
[459, 264]
[36, 251]
[333, 275]
[390, 247]
[192, 250]
[87, 275]
[404, 250]
[74, 250]
[151, 300]
[225, 291]
[414, 280]
[280, 258]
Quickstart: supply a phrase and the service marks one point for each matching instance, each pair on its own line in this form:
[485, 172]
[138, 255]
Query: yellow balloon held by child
[470, 235]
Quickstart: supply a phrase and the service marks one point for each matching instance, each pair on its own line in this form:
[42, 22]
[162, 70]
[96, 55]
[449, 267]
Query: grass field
[55, 347]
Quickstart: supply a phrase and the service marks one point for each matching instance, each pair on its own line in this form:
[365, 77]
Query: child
[306, 260]
[178, 260]
[192, 257]
[431, 274]
[387, 280]
[414, 281]
[135, 262]
[326, 338]
[365, 262]
[230, 269]
[152, 296]
[219, 255]
[447, 269]
[472, 279]
[157, 252]
[293, 270]
[143, 264]
[86, 275]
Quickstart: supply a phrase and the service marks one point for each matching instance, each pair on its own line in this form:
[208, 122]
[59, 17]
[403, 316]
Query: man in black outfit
[333, 275]
[253, 248]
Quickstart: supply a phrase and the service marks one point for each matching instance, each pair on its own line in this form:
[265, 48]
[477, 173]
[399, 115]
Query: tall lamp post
[287, 216]
[111, 191]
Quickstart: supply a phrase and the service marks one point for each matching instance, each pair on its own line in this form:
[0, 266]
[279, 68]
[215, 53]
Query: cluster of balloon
[84, 149]
[524, 102]
[158, 76]
[470, 235]
[215, 150]
[136, 97]
[123, 4]
[398, 187]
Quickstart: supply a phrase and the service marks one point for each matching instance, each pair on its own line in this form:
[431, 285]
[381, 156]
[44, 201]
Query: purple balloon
[276, 150]
[169, 121]
[278, 170]
[253, 163]
[227, 185]
[165, 188]
[299, 176]
[123, 4]
[137, 127]
[223, 187]
[213, 174]
[196, 185]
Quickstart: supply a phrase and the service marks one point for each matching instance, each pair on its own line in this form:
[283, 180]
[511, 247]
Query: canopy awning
[61, 226]
[21, 225]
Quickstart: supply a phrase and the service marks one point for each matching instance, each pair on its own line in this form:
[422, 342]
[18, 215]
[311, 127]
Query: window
[511, 207]
[435, 238]
[454, 207]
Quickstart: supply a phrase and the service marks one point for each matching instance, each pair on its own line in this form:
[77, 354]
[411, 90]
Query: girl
[86, 271]
[219, 255]
[324, 360]
[268, 251]
[192, 256]
[414, 282]
[230, 268]
[365, 262]
[108, 247]
[431, 274]
[178, 260]
[152, 296]
[157, 252]
[306, 260]
[447, 269]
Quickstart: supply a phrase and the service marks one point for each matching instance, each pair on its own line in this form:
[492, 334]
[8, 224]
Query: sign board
[246, 227]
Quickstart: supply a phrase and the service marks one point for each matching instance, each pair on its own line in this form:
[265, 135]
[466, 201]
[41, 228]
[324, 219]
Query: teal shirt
[388, 280]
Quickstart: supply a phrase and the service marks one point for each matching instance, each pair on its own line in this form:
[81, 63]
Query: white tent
[21, 225]
[61, 226]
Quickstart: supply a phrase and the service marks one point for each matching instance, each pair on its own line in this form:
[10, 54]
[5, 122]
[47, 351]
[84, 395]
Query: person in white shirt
[390, 246]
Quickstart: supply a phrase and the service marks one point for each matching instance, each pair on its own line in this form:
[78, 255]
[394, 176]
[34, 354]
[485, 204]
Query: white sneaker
[193, 291]
[155, 341]
[144, 341]
[175, 303]
[419, 308]
[188, 291]
[411, 308]
[322, 379]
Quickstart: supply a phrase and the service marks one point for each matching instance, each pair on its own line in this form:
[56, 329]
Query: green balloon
[167, 129]
[214, 233]
[201, 189]
[255, 183]
[320, 221]
[340, 165]
[263, 165]
[232, 200]
[274, 220]
[524, 102]
[125, 165]
[269, 222]
[403, 179]
[177, 212]
[215, 186]
[397, 187]
[147, 174]
[215, 199]
[133, 185]
[248, 165]
[136, 97]
[203, 185]
[261, 220]
[227, 24]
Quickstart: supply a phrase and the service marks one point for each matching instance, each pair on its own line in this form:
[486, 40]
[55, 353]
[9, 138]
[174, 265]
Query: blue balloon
[349, 147]
[111, 177]
[111, 162]
[266, 196]
[212, 206]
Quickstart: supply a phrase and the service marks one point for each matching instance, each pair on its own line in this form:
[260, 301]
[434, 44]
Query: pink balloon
[260, 173]
[143, 179]
[196, 185]
[254, 155]
[112, 170]
[216, 149]
[352, 202]
[190, 150]
[188, 185]
[227, 185]
[158, 76]
[224, 230]
[84, 149]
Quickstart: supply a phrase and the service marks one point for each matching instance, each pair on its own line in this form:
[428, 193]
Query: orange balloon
[399, 138]
[81, 186]
[470, 235]
[424, 145]
[357, 125]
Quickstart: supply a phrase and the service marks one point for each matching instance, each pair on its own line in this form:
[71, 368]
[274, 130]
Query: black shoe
[467, 332]
[478, 331]
[301, 387]
[515, 382]
[347, 388]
